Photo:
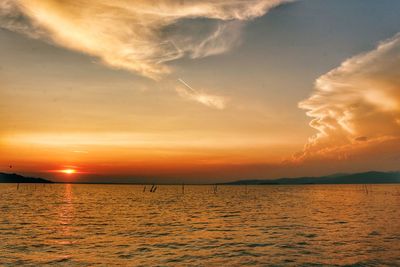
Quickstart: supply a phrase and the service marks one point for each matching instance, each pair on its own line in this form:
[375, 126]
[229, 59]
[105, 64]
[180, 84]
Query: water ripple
[120, 225]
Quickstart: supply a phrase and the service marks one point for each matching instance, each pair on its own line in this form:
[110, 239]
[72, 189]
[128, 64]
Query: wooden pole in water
[144, 189]
[215, 189]
[153, 188]
[183, 188]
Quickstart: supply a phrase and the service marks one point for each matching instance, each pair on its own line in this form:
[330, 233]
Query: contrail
[187, 85]
[203, 98]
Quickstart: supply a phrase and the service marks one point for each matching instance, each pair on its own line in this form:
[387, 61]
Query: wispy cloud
[357, 105]
[189, 93]
[135, 35]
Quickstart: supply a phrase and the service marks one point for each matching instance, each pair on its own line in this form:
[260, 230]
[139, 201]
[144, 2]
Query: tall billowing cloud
[135, 35]
[356, 107]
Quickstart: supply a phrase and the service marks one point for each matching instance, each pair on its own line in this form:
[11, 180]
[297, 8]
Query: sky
[198, 91]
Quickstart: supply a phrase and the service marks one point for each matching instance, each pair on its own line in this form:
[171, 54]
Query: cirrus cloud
[135, 35]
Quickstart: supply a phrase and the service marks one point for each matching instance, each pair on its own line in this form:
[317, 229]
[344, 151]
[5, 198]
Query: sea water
[120, 225]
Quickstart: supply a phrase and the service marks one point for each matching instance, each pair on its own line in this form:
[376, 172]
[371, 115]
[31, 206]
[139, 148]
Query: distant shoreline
[337, 179]
[172, 184]
[16, 178]
[371, 177]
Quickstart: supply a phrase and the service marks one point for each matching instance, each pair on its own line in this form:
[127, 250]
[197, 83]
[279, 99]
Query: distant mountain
[371, 177]
[15, 178]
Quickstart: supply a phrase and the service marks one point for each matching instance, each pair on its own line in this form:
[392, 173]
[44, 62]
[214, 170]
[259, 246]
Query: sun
[68, 171]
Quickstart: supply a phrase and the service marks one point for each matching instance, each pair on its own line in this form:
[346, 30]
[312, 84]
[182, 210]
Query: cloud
[135, 35]
[189, 93]
[220, 41]
[356, 107]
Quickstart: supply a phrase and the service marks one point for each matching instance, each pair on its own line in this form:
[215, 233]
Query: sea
[199, 225]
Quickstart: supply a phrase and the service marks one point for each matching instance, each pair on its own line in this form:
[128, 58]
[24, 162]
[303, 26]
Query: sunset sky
[198, 91]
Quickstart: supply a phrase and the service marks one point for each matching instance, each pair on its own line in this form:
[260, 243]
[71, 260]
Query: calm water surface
[86, 225]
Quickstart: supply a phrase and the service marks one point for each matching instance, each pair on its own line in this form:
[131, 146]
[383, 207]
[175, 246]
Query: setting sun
[68, 171]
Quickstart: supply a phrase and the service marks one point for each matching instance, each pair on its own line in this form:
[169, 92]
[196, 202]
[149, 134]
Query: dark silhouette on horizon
[371, 177]
[16, 178]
